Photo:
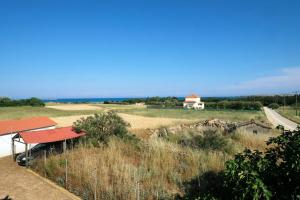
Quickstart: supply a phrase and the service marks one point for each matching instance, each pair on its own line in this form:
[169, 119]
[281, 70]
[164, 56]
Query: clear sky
[107, 48]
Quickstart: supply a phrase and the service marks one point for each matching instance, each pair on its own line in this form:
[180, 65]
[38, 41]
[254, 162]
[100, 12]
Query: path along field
[21, 184]
[277, 119]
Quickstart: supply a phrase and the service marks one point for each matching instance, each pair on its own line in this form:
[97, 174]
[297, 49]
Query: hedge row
[234, 105]
[6, 102]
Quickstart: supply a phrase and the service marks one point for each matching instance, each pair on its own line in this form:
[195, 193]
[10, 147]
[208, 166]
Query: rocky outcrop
[225, 126]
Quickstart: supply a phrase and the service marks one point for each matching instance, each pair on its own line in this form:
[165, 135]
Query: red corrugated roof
[15, 126]
[192, 96]
[52, 135]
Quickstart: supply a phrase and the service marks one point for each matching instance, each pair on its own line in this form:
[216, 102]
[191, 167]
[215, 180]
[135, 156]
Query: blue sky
[59, 48]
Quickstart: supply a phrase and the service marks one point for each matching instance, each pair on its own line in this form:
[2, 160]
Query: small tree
[101, 127]
[274, 106]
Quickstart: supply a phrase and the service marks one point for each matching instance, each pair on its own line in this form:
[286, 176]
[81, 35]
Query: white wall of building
[193, 99]
[6, 142]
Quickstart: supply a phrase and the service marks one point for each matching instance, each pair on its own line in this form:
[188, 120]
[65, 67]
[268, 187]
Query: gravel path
[277, 119]
[21, 184]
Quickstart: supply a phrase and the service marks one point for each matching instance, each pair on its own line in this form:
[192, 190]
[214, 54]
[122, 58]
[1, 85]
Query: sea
[84, 100]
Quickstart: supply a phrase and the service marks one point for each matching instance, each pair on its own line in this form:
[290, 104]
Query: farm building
[50, 136]
[193, 101]
[9, 128]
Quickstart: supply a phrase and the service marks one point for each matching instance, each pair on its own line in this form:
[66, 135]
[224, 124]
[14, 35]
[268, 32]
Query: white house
[193, 101]
[9, 128]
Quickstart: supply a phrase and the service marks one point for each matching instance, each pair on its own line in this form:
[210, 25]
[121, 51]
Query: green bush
[274, 174]
[101, 127]
[274, 105]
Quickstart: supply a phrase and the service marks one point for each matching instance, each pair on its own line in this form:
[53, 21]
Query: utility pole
[296, 103]
[283, 102]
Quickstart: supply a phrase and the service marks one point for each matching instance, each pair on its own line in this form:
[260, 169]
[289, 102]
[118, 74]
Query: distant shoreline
[84, 100]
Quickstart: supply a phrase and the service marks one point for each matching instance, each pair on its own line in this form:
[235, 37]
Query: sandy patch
[140, 122]
[68, 120]
[136, 122]
[75, 107]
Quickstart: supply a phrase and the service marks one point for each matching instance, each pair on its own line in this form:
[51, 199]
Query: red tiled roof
[52, 135]
[14, 126]
[192, 96]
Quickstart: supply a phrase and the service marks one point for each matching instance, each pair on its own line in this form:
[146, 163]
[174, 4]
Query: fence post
[45, 162]
[26, 154]
[66, 176]
[138, 191]
[13, 148]
[95, 188]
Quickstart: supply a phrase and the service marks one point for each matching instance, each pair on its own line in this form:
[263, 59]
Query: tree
[35, 102]
[101, 127]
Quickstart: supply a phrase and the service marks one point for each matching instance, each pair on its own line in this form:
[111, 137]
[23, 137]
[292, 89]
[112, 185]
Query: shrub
[273, 105]
[102, 126]
[212, 140]
[274, 174]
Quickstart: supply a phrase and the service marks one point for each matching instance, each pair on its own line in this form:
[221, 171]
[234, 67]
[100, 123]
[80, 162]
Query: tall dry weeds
[123, 171]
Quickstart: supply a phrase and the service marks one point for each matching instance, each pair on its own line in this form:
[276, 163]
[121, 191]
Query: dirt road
[19, 183]
[277, 119]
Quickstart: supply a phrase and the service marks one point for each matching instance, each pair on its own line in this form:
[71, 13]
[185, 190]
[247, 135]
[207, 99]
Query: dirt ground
[136, 122]
[21, 184]
[67, 120]
[74, 107]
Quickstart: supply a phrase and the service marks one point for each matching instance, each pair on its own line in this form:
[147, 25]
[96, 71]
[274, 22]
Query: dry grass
[290, 113]
[74, 107]
[254, 141]
[122, 171]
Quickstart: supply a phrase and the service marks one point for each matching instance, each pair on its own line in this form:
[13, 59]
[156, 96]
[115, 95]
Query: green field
[27, 111]
[200, 115]
[290, 113]
[231, 115]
